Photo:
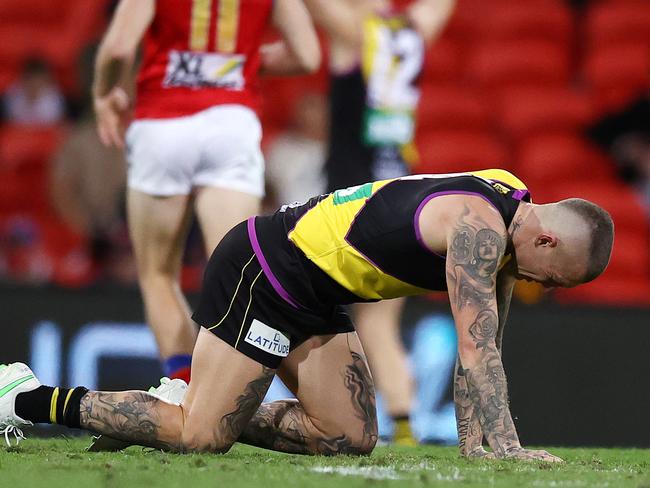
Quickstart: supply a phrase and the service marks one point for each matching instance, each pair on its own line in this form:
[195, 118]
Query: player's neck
[520, 219]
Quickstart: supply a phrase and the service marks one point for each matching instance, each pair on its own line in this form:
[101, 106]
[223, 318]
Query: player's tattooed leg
[285, 426]
[133, 416]
[234, 423]
[359, 383]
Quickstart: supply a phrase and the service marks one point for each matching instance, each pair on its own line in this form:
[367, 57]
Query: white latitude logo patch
[267, 339]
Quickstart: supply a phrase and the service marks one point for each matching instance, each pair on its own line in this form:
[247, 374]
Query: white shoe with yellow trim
[170, 391]
[14, 379]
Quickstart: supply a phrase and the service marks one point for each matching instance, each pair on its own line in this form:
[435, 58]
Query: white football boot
[170, 391]
[14, 379]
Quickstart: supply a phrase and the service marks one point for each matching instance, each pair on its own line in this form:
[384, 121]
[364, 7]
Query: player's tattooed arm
[475, 250]
[285, 426]
[476, 246]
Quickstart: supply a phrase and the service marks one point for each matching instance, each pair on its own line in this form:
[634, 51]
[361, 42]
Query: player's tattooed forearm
[484, 328]
[470, 435]
[131, 416]
[489, 394]
[232, 424]
[359, 383]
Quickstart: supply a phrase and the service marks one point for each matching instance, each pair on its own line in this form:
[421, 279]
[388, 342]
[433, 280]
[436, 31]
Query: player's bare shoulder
[460, 217]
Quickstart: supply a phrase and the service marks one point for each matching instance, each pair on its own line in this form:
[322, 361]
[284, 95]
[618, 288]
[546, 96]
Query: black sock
[47, 405]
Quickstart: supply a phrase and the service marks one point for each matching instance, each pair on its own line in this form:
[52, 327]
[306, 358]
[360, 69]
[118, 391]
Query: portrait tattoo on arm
[476, 251]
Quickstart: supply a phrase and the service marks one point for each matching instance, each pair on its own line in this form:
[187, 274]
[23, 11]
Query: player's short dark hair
[601, 238]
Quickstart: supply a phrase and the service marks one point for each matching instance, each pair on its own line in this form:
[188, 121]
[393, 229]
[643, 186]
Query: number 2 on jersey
[226, 29]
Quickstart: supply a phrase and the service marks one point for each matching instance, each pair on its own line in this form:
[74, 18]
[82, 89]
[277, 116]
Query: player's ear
[546, 240]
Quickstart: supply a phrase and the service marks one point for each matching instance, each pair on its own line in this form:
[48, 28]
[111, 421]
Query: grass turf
[63, 463]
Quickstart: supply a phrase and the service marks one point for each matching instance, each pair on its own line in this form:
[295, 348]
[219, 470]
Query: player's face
[552, 269]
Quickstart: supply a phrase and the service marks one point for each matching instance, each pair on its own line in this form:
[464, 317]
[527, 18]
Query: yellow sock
[402, 434]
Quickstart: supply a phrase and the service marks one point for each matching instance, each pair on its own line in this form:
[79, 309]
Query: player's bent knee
[358, 439]
[201, 438]
[366, 442]
[203, 443]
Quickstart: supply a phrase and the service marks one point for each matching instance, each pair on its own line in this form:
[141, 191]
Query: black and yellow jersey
[363, 243]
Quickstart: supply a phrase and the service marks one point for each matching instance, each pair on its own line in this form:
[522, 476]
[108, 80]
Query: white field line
[369, 472]
[387, 472]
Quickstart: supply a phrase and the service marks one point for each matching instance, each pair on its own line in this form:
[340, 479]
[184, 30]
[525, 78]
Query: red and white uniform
[201, 53]
[195, 121]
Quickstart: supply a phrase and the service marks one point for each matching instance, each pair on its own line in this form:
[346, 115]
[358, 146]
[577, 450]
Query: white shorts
[217, 147]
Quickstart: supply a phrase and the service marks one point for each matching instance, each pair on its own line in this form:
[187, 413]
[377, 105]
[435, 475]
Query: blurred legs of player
[159, 227]
[210, 163]
[378, 325]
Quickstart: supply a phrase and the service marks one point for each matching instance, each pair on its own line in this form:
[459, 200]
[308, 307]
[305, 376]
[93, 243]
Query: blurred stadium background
[555, 91]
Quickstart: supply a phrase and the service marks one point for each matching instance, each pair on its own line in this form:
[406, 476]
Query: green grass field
[63, 463]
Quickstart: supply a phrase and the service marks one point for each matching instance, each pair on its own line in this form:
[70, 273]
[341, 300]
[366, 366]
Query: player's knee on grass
[203, 439]
[357, 437]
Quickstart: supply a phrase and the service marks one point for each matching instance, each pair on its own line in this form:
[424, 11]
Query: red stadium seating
[533, 19]
[504, 63]
[455, 151]
[450, 106]
[57, 31]
[619, 200]
[36, 12]
[608, 291]
[464, 18]
[24, 156]
[631, 258]
[556, 158]
[528, 110]
[443, 61]
[618, 21]
[618, 73]
[28, 145]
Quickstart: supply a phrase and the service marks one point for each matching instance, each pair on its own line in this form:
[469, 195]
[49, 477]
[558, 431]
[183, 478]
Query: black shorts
[239, 304]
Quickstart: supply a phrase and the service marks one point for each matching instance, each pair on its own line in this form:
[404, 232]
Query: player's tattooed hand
[531, 455]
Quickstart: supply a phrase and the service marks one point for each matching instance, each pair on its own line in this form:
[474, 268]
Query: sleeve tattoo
[480, 392]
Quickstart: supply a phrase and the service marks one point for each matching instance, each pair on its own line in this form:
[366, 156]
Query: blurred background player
[376, 57]
[194, 143]
[34, 98]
